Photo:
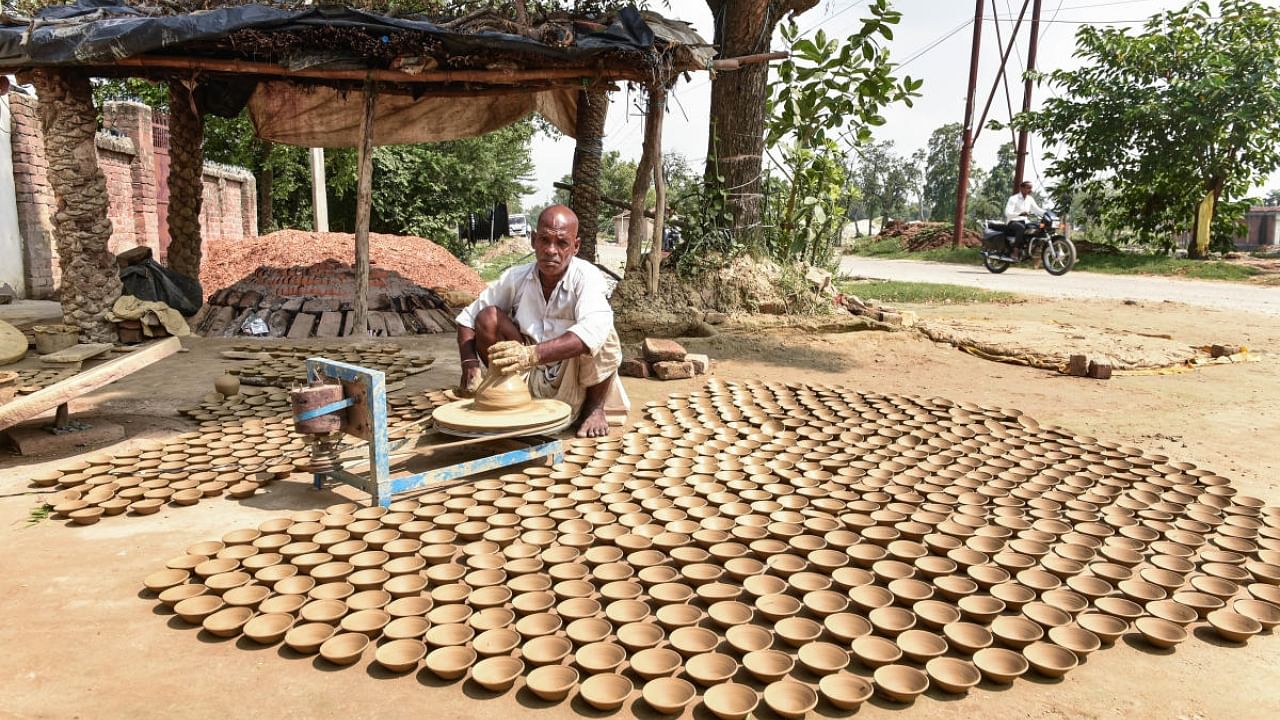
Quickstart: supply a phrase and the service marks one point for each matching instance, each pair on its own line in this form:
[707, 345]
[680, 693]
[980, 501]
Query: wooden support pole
[364, 201]
[640, 190]
[657, 109]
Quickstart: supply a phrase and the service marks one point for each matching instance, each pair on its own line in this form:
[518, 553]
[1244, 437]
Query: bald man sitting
[552, 320]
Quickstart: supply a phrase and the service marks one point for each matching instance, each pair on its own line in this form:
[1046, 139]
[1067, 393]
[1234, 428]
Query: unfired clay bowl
[401, 655]
[668, 695]
[498, 673]
[1000, 665]
[1050, 660]
[901, 683]
[606, 691]
[552, 682]
[1232, 626]
[790, 699]
[953, 675]
[450, 663]
[845, 690]
[731, 701]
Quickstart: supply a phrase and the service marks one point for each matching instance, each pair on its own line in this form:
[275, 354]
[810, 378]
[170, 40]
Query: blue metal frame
[373, 413]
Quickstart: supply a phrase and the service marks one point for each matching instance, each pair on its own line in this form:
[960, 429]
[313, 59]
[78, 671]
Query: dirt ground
[82, 641]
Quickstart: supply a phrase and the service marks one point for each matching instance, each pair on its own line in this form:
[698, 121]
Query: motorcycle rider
[1017, 212]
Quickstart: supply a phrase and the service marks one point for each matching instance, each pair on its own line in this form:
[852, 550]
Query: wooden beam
[736, 63]
[25, 408]
[364, 200]
[492, 77]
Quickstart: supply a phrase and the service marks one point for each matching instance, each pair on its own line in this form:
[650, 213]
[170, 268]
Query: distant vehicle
[518, 225]
[1056, 252]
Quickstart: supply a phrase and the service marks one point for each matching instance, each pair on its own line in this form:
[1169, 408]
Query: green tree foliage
[1186, 109]
[885, 181]
[942, 172]
[992, 190]
[827, 99]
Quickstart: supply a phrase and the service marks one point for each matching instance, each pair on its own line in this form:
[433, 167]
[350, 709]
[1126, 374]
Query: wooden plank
[86, 382]
[13, 344]
[303, 324]
[428, 321]
[395, 326]
[330, 325]
[76, 353]
[364, 203]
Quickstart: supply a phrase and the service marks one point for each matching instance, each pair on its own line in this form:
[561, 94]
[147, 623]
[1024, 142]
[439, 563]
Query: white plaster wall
[10, 240]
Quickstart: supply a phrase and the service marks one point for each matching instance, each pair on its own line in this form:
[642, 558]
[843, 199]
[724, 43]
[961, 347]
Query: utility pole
[966, 137]
[1026, 94]
[319, 198]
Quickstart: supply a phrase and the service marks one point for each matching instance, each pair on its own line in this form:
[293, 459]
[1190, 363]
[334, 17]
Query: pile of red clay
[418, 259]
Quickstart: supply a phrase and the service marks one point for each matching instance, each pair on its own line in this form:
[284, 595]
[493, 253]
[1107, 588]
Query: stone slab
[330, 325]
[662, 350]
[36, 439]
[302, 326]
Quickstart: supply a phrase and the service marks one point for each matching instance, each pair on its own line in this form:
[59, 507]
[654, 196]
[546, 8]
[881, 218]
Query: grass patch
[891, 291]
[1118, 264]
[38, 514]
[489, 271]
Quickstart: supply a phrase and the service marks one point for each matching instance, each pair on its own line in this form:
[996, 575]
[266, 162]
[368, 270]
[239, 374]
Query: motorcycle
[1057, 253]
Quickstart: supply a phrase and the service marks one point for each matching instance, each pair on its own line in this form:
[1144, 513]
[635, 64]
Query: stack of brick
[879, 313]
[316, 301]
[664, 360]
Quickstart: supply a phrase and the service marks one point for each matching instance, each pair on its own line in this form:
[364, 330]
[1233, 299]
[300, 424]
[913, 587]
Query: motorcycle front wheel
[1059, 256]
[994, 264]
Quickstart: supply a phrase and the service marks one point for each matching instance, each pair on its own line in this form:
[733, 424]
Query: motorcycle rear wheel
[1059, 256]
[995, 265]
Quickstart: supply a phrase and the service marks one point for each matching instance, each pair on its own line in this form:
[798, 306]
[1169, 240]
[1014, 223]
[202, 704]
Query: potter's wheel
[501, 408]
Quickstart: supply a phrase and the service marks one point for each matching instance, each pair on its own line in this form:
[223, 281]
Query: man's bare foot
[593, 424]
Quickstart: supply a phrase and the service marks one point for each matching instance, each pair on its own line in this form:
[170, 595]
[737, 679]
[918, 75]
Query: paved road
[1223, 295]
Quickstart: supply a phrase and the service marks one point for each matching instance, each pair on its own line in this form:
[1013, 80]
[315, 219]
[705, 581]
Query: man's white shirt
[1019, 207]
[578, 304]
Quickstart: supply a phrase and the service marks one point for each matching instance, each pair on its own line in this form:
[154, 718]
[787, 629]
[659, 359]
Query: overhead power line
[935, 43]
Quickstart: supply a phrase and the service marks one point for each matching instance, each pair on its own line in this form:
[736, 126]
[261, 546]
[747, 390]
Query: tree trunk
[736, 146]
[593, 109]
[90, 279]
[1198, 247]
[658, 99]
[644, 173]
[186, 189]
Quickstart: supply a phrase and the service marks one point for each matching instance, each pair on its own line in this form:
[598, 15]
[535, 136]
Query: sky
[933, 42]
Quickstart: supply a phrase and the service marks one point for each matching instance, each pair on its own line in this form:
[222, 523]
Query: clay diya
[1108, 628]
[845, 690]
[450, 663]
[308, 637]
[406, 628]
[690, 641]
[952, 675]
[546, 650]
[667, 695]
[194, 610]
[790, 699]
[901, 683]
[749, 638]
[497, 674]
[1076, 639]
[1050, 660]
[582, 631]
[605, 691]
[1265, 613]
[1000, 665]
[711, 668]
[1233, 626]
[874, 651]
[655, 662]
[921, 645]
[731, 701]
[1159, 632]
[552, 682]
[227, 622]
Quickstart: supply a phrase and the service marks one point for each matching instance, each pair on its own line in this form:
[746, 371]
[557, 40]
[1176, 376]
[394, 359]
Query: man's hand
[510, 357]
[470, 379]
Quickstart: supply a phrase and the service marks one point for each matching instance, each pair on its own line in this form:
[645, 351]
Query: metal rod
[1021, 167]
[1004, 59]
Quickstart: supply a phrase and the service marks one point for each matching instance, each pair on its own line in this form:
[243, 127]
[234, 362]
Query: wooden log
[428, 321]
[364, 201]
[392, 322]
[85, 382]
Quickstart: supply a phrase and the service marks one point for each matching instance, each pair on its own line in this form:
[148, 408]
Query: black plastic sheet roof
[98, 32]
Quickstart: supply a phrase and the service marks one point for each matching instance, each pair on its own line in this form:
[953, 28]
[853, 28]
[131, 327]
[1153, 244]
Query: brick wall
[127, 157]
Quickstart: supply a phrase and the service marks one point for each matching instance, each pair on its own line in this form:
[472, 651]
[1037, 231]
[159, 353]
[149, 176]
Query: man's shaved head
[555, 242]
[557, 217]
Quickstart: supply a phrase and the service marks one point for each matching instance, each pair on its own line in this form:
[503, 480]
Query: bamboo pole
[495, 77]
[657, 109]
[364, 199]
